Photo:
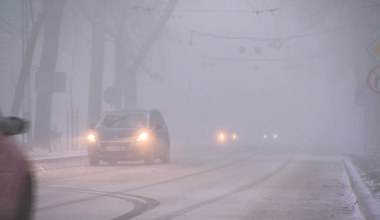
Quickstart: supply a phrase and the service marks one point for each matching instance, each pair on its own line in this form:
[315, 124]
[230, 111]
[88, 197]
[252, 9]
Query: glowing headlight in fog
[275, 136]
[234, 136]
[91, 137]
[143, 136]
[221, 137]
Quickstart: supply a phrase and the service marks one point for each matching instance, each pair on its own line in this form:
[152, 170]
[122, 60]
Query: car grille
[115, 146]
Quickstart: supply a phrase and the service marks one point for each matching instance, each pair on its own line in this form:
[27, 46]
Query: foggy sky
[289, 67]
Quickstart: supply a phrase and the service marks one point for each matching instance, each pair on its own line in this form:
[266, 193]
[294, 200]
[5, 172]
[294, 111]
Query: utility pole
[120, 51]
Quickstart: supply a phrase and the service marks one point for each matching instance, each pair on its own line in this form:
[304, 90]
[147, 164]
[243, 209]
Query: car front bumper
[118, 150]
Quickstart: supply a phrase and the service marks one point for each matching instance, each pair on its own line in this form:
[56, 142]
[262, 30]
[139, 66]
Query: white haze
[293, 71]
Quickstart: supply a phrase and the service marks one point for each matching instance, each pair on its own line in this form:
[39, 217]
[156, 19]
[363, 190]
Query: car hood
[115, 134]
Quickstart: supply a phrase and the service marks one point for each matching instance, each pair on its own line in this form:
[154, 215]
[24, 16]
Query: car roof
[127, 111]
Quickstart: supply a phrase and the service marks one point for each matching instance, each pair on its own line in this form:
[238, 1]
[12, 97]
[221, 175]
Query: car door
[160, 129]
[12, 170]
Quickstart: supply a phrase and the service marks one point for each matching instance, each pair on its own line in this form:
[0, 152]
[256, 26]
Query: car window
[156, 118]
[159, 119]
[135, 120]
[153, 119]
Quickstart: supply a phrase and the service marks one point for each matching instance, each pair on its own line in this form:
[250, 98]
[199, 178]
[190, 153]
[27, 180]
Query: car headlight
[91, 137]
[234, 137]
[143, 136]
[222, 137]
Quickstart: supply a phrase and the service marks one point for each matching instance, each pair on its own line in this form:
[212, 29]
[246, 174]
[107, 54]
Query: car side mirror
[13, 126]
[159, 126]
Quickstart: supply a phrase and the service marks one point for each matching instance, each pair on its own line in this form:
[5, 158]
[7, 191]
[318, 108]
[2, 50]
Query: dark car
[123, 135]
[16, 179]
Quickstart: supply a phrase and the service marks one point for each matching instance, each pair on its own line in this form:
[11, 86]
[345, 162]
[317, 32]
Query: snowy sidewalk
[44, 155]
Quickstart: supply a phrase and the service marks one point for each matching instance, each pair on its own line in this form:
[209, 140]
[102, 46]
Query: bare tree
[125, 73]
[28, 59]
[97, 61]
[119, 49]
[42, 126]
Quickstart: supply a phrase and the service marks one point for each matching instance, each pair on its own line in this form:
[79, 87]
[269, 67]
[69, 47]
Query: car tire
[148, 157]
[165, 154]
[93, 160]
[25, 209]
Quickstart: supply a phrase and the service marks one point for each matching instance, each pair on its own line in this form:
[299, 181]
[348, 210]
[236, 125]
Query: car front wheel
[148, 157]
[165, 154]
[93, 160]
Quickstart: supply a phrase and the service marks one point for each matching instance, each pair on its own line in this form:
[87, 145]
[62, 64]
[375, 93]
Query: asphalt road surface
[216, 182]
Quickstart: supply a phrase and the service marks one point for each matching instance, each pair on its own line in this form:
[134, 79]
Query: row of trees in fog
[124, 27]
[58, 56]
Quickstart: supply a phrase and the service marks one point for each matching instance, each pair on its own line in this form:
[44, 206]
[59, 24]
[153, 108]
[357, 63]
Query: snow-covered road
[225, 182]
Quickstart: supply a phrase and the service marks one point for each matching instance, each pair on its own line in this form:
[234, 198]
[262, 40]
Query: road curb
[368, 205]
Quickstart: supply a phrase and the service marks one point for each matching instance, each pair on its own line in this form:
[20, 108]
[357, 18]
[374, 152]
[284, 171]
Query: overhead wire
[293, 37]
[150, 9]
[243, 60]
[10, 25]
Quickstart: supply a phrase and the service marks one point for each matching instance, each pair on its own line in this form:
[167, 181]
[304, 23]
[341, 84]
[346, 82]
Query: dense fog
[296, 68]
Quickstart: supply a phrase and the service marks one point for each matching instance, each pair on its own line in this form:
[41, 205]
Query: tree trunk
[27, 61]
[130, 82]
[42, 126]
[130, 91]
[97, 63]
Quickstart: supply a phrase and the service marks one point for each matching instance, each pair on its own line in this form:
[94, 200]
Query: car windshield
[130, 120]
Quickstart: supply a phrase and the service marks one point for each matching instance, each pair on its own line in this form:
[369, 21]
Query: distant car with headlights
[123, 135]
[270, 138]
[16, 179]
[223, 137]
[267, 137]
